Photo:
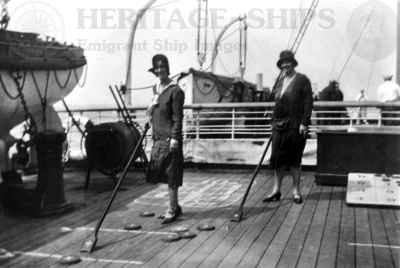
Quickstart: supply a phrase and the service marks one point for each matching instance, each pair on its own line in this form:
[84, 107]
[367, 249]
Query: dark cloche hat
[286, 55]
[159, 59]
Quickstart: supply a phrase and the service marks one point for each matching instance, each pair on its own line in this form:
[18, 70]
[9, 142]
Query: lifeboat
[34, 74]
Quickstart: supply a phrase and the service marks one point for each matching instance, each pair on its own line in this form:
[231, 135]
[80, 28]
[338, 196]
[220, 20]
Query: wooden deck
[321, 232]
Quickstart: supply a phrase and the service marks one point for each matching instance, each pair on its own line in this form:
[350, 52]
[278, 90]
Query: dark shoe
[298, 199]
[178, 211]
[275, 197]
[169, 217]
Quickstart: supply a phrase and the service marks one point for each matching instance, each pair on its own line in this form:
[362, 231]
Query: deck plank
[197, 252]
[263, 240]
[309, 254]
[240, 248]
[272, 255]
[383, 256]
[393, 233]
[292, 251]
[110, 243]
[221, 220]
[219, 255]
[155, 248]
[40, 232]
[139, 246]
[364, 255]
[69, 244]
[322, 232]
[331, 236]
[74, 196]
[147, 248]
[209, 246]
[54, 242]
[346, 256]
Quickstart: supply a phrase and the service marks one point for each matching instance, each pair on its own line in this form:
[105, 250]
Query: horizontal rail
[253, 120]
[317, 104]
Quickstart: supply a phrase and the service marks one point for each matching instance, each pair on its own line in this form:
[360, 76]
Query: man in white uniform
[389, 91]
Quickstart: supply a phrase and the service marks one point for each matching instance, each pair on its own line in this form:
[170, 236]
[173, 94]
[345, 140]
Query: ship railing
[253, 120]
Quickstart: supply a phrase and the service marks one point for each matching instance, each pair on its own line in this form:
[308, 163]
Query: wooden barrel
[108, 146]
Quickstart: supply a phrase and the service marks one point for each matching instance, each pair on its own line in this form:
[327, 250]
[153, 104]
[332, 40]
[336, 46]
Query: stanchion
[237, 217]
[48, 196]
[50, 185]
[90, 244]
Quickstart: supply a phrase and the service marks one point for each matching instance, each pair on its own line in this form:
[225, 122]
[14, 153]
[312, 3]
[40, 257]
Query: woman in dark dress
[166, 115]
[290, 121]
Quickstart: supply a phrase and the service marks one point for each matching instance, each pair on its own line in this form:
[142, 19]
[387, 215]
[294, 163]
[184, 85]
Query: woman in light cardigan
[166, 116]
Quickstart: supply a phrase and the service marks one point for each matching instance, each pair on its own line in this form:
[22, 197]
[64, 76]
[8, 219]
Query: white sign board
[373, 189]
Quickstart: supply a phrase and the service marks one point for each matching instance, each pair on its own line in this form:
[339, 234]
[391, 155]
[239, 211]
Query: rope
[292, 32]
[216, 79]
[82, 144]
[23, 81]
[202, 50]
[63, 86]
[355, 44]
[303, 29]
[370, 77]
[304, 24]
[215, 39]
[141, 88]
[70, 114]
[32, 126]
[335, 60]
[83, 135]
[228, 35]
[123, 110]
[43, 100]
[241, 34]
[164, 4]
[223, 65]
[373, 63]
[245, 28]
[222, 39]
[6, 91]
[151, 86]
[81, 84]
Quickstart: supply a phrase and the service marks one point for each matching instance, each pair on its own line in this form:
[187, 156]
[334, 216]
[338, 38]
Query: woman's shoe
[298, 199]
[275, 197]
[169, 217]
[178, 211]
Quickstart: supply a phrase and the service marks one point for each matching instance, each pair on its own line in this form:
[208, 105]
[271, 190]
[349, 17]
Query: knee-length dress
[166, 165]
[292, 108]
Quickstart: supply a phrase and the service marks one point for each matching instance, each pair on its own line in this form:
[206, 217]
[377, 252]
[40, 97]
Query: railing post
[233, 124]
[197, 124]
[380, 117]
[184, 125]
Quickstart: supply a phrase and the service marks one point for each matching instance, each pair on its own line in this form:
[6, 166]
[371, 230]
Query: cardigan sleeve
[178, 99]
[308, 103]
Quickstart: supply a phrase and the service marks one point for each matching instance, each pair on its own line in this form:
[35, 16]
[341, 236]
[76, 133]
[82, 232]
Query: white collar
[158, 86]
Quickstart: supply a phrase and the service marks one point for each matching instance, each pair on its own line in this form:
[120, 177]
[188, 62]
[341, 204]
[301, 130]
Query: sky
[359, 32]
